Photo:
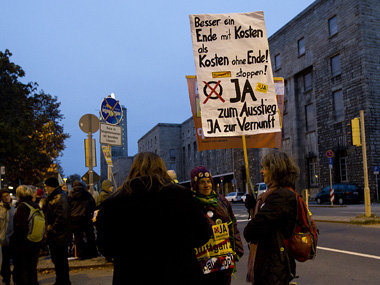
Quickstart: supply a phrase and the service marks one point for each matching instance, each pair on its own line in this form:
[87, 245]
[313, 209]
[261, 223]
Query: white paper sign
[234, 74]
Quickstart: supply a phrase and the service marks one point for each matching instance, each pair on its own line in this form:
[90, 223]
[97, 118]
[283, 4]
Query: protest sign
[236, 89]
[269, 140]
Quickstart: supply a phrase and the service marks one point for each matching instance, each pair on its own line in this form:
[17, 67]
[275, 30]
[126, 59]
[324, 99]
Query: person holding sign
[219, 255]
[274, 220]
[150, 227]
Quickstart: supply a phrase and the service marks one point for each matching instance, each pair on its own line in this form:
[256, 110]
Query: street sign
[110, 135]
[111, 111]
[329, 153]
[2, 170]
[89, 123]
[376, 170]
[86, 177]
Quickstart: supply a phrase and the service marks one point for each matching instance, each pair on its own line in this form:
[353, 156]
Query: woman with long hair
[274, 220]
[150, 227]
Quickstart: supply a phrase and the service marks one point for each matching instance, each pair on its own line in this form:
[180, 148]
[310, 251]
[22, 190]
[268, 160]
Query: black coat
[274, 221]
[82, 206]
[57, 214]
[151, 234]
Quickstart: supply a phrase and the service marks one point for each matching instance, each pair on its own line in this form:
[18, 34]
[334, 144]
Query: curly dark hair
[283, 171]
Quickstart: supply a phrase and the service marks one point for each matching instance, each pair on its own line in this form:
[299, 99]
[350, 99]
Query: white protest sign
[234, 74]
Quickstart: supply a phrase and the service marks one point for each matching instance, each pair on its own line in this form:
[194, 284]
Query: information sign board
[110, 135]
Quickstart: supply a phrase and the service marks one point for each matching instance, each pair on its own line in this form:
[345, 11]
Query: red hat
[40, 192]
[198, 173]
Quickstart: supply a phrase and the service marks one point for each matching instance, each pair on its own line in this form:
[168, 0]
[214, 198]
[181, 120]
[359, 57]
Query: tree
[31, 137]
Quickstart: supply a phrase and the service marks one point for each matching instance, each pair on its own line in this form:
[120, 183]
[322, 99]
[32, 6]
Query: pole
[377, 189]
[90, 173]
[367, 198]
[109, 167]
[246, 166]
[332, 203]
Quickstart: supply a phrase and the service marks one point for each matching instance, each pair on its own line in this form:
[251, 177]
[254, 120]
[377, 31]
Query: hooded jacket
[82, 205]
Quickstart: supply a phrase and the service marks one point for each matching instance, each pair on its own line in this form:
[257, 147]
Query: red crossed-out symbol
[213, 91]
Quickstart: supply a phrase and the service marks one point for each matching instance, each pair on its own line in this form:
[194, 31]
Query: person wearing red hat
[219, 255]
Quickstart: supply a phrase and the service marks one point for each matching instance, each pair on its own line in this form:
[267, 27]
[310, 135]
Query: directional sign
[95, 177]
[111, 111]
[329, 154]
[376, 170]
[110, 135]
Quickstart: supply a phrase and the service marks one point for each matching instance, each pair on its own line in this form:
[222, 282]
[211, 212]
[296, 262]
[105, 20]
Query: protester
[58, 229]
[82, 206]
[218, 212]
[24, 252]
[7, 212]
[105, 192]
[274, 219]
[150, 226]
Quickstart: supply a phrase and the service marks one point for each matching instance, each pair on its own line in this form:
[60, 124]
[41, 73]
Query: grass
[363, 220]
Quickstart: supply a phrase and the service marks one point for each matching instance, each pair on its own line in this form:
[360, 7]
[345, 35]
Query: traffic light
[355, 131]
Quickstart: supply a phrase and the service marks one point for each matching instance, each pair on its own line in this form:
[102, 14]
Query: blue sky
[81, 51]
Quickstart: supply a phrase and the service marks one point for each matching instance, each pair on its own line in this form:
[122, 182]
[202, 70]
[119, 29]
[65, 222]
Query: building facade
[329, 57]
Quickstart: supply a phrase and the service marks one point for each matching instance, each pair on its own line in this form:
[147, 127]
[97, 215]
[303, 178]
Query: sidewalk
[45, 263]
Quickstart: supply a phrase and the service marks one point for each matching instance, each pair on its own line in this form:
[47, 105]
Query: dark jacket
[82, 206]
[151, 234]
[57, 215]
[274, 221]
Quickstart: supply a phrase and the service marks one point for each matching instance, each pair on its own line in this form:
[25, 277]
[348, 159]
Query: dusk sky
[81, 51]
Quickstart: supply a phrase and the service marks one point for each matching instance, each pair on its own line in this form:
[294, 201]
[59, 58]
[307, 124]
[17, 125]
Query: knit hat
[198, 173]
[106, 184]
[52, 182]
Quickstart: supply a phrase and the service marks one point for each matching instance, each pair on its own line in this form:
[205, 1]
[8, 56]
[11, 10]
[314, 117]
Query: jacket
[82, 206]
[102, 196]
[6, 222]
[57, 215]
[151, 234]
[274, 221]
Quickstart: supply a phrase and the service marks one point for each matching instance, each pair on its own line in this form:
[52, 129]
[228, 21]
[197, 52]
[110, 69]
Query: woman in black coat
[274, 220]
[150, 227]
[24, 252]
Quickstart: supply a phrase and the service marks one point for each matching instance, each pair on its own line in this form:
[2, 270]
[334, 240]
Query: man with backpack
[273, 222]
[26, 239]
[58, 229]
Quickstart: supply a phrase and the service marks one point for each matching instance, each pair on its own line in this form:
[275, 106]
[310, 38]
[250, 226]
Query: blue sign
[330, 161]
[376, 170]
[111, 111]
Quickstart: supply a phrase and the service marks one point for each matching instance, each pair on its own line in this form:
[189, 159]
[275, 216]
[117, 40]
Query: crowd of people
[154, 230]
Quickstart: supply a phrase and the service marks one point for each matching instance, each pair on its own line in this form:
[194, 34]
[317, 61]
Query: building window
[277, 61]
[307, 82]
[335, 65]
[301, 46]
[188, 152]
[343, 169]
[313, 172]
[195, 150]
[172, 153]
[172, 166]
[333, 26]
[309, 118]
[338, 105]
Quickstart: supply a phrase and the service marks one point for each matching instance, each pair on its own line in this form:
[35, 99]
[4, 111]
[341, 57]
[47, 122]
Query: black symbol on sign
[213, 90]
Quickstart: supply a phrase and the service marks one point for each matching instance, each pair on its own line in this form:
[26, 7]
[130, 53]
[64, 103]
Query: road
[347, 254]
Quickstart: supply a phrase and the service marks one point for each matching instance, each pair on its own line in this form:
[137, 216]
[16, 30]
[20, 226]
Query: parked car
[243, 198]
[260, 188]
[234, 196]
[343, 194]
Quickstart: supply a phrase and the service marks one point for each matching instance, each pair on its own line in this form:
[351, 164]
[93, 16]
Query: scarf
[211, 199]
[253, 247]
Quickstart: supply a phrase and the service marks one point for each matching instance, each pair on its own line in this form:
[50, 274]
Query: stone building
[329, 57]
